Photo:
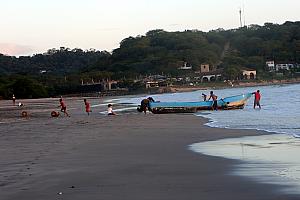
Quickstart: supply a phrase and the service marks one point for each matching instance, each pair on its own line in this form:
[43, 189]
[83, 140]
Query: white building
[284, 66]
[204, 68]
[270, 65]
[249, 74]
[185, 67]
[211, 77]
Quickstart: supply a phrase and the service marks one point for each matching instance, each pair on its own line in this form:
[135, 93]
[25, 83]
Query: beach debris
[59, 193]
[24, 114]
[54, 114]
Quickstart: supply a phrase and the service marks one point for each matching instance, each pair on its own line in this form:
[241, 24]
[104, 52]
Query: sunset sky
[33, 26]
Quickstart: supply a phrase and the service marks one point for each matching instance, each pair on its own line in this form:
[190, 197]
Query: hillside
[159, 51]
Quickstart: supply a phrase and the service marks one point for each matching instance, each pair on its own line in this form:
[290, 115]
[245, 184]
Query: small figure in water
[204, 96]
[215, 100]
[14, 99]
[87, 107]
[257, 97]
[63, 107]
[110, 110]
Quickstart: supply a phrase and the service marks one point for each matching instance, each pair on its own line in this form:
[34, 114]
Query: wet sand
[128, 156]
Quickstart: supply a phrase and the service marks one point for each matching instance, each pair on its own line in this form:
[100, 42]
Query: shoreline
[174, 89]
[238, 85]
[128, 156]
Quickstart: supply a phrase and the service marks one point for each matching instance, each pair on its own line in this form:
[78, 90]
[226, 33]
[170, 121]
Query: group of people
[214, 98]
[63, 108]
[14, 101]
[145, 103]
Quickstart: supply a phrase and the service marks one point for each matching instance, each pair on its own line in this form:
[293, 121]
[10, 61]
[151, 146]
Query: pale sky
[34, 26]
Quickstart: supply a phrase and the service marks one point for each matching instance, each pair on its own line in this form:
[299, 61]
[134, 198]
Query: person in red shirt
[63, 107]
[87, 107]
[257, 99]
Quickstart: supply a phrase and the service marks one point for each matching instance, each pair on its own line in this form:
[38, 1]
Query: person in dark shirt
[145, 104]
[215, 100]
[204, 96]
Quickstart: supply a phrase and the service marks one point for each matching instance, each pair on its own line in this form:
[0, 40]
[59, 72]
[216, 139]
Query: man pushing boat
[215, 100]
[145, 103]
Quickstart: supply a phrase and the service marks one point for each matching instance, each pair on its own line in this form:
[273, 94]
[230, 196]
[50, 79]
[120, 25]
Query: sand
[128, 156]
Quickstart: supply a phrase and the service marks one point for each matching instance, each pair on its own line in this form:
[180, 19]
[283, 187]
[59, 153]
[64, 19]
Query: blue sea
[279, 113]
[272, 158]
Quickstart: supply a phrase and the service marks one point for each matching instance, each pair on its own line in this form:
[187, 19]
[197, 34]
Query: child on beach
[87, 107]
[110, 110]
[14, 99]
[63, 107]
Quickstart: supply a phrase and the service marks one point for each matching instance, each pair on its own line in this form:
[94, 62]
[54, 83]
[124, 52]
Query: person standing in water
[87, 107]
[257, 97]
[215, 100]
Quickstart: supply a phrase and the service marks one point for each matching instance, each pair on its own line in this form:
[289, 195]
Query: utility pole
[241, 23]
[244, 14]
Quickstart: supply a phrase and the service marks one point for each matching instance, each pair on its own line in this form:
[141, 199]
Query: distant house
[210, 75]
[270, 66]
[249, 74]
[185, 66]
[99, 85]
[152, 84]
[110, 85]
[284, 66]
[204, 68]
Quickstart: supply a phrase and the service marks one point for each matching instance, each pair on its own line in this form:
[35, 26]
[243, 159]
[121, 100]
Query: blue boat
[233, 102]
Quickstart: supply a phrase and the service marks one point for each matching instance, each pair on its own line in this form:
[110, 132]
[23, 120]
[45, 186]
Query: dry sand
[128, 156]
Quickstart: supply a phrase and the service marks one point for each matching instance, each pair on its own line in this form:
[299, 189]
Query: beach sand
[128, 156]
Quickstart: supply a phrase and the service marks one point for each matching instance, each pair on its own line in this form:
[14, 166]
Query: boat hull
[228, 103]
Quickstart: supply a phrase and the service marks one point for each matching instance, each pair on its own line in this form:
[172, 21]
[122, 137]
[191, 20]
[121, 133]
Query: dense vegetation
[156, 52]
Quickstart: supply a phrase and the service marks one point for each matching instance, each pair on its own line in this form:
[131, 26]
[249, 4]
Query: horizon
[34, 27]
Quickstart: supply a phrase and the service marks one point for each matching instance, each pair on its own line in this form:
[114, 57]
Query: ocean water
[272, 158]
[279, 113]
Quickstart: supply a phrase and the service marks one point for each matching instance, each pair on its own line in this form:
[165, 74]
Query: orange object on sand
[24, 114]
[54, 114]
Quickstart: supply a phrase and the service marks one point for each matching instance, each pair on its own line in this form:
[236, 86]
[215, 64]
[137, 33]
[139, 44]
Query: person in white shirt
[110, 110]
